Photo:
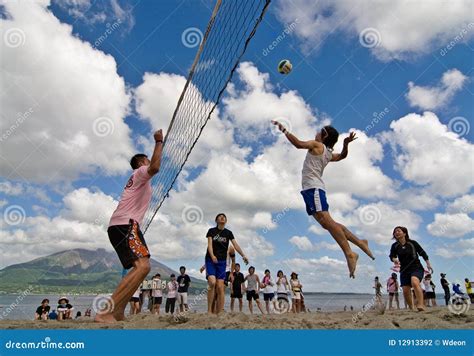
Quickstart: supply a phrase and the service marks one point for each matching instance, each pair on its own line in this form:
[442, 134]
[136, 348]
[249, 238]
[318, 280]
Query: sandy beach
[433, 318]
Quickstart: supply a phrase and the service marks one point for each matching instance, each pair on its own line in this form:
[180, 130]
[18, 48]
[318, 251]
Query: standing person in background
[268, 290]
[296, 292]
[282, 287]
[157, 293]
[253, 288]
[172, 288]
[430, 291]
[404, 253]
[445, 284]
[135, 302]
[392, 288]
[236, 288]
[183, 282]
[468, 285]
[378, 290]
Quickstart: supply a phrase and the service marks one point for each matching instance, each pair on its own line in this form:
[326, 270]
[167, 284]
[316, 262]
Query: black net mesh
[229, 31]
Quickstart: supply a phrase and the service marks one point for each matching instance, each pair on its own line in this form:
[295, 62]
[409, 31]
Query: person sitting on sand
[64, 309]
[392, 289]
[252, 289]
[404, 252]
[295, 286]
[319, 153]
[469, 292]
[135, 302]
[157, 293]
[268, 290]
[429, 287]
[42, 312]
[457, 289]
[172, 288]
[236, 287]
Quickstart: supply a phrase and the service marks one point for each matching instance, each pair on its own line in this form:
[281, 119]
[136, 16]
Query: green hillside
[77, 271]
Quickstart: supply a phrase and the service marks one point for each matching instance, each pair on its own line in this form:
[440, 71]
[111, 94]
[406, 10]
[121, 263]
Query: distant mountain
[73, 271]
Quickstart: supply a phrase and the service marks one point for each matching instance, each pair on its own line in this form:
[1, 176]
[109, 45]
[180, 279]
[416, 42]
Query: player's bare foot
[352, 263]
[105, 318]
[365, 247]
[420, 308]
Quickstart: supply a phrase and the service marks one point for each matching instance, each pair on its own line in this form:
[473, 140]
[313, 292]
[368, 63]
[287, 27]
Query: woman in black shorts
[404, 252]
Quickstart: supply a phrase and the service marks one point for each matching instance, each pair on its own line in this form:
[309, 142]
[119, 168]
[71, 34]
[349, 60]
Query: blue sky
[418, 161]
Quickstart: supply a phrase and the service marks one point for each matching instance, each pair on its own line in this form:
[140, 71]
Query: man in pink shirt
[125, 234]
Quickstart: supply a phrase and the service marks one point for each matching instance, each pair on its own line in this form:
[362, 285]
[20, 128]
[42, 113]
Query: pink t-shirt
[135, 198]
[392, 285]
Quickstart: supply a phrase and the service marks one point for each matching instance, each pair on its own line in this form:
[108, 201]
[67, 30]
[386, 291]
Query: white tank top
[313, 168]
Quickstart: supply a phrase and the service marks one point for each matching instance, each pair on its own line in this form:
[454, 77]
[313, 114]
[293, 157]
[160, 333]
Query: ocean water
[23, 307]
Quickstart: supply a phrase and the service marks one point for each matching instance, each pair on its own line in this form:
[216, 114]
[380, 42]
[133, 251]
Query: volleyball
[285, 66]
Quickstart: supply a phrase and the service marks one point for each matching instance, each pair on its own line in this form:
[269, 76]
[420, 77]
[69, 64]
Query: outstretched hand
[350, 138]
[158, 135]
[280, 126]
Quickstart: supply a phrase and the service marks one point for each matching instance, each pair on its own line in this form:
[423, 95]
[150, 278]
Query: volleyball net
[231, 27]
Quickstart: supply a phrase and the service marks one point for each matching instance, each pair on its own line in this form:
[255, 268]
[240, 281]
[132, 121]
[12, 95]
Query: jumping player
[314, 192]
[125, 234]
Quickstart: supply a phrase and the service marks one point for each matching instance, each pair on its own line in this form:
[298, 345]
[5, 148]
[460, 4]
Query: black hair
[220, 215]
[280, 271]
[251, 268]
[45, 300]
[135, 161]
[237, 264]
[267, 270]
[331, 137]
[404, 229]
[182, 267]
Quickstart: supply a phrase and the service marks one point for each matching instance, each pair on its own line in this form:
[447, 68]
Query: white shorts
[183, 298]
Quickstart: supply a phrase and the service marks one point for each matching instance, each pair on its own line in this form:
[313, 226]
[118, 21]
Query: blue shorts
[315, 200]
[405, 276]
[216, 269]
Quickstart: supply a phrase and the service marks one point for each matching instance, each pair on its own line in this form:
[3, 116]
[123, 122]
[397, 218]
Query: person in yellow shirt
[469, 289]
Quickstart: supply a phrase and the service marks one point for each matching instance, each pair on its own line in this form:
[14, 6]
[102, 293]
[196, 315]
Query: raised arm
[345, 149]
[308, 145]
[155, 163]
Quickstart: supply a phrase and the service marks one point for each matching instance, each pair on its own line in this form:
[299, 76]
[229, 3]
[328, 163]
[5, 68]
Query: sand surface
[433, 318]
